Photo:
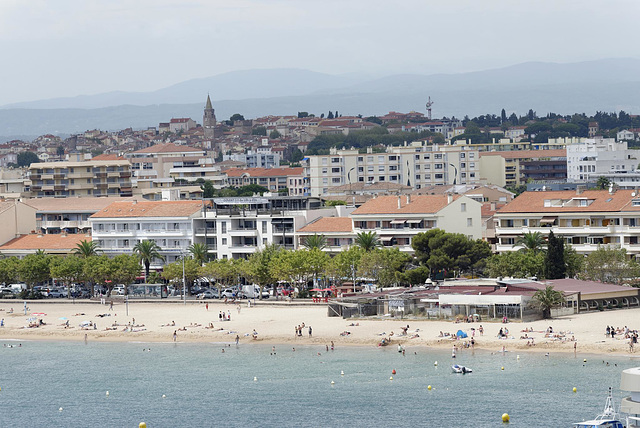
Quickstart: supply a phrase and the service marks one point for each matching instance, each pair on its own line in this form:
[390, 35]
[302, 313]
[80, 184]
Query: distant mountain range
[605, 85]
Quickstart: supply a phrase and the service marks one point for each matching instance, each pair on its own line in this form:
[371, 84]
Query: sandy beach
[276, 323]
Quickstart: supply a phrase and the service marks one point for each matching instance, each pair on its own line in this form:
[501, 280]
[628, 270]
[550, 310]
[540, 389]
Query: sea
[97, 384]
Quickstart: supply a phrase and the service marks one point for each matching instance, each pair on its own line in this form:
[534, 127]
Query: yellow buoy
[505, 417]
[142, 425]
[429, 387]
[107, 393]
[501, 368]
[584, 361]
[255, 379]
[435, 364]
[342, 373]
[332, 382]
[390, 377]
[60, 409]
[164, 396]
[575, 389]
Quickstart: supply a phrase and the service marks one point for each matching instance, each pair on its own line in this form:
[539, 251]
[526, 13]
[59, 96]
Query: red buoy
[393, 371]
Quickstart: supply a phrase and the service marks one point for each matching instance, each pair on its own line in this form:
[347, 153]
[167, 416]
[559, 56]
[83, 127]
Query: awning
[545, 220]
[400, 221]
[414, 221]
[386, 238]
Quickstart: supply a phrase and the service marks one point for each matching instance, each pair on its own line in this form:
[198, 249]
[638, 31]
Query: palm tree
[531, 241]
[315, 241]
[548, 298]
[368, 241]
[200, 252]
[86, 249]
[146, 252]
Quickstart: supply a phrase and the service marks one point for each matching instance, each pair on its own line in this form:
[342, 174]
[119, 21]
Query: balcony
[209, 231]
[242, 232]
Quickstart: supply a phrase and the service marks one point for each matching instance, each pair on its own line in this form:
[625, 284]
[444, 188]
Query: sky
[80, 47]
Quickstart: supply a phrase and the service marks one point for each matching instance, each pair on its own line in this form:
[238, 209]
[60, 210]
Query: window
[463, 207]
[438, 166]
[461, 155]
[417, 157]
[393, 167]
[335, 170]
[369, 158]
[437, 156]
[380, 159]
[223, 227]
[335, 160]
[360, 178]
[324, 170]
[426, 157]
[264, 227]
[472, 175]
[324, 161]
[381, 178]
[417, 176]
[360, 169]
[325, 181]
[380, 168]
[469, 222]
[472, 155]
[370, 168]
[360, 158]
[393, 178]
[224, 241]
[393, 158]
[438, 176]
[417, 167]
[472, 165]
[336, 180]
[463, 165]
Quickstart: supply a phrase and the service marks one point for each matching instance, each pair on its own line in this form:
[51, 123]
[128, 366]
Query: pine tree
[555, 267]
[330, 115]
[503, 116]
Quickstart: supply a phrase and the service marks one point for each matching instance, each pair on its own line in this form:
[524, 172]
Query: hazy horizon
[69, 48]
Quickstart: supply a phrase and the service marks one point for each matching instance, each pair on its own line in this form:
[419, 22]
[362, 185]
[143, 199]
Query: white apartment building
[121, 225]
[592, 158]
[258, 158]
[584, 219]
[235, 228]
[416, 165]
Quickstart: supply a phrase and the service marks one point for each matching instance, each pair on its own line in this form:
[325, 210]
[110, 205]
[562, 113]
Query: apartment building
[238, 227]
[274, 179]
[397, 219]
[593, 158]
[61, 244]
[584, 219]
[338, 232]
[261, 157]
[121, 225]
[514, 168]
[416, 165]
[89, 178]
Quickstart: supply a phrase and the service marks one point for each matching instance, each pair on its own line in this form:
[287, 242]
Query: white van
[253, 292]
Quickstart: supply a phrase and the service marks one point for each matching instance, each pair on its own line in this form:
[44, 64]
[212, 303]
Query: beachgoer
[111, 305]
[255, 334]
[207, 306]
[228, 315]
[175, 335]
[481, 330]
[332, 346]
[2, 322]
[309, 331]
[237, 339]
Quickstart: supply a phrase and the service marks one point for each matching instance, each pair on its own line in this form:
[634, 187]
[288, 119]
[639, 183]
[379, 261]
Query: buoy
[390, 377]
[393, 371]
[60, 409]
[255, 379]
[505, 417]
[107, 393]
[164, 396]
[435, 364]
[517, 357]
[575, 389]
[501, 368]
[142, 425]
[342, 373]
[584, 361]
[332, 382]
[429, 387]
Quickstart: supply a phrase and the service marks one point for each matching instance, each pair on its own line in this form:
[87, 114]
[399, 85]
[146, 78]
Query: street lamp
[349, 179]
[455, 173]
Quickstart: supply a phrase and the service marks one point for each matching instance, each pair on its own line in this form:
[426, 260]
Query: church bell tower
[209, 120]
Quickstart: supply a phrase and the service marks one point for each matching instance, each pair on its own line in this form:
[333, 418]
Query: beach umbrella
[461, 334]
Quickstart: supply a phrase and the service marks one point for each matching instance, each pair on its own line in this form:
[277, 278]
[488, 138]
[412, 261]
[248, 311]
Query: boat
[607, 419]
[460, 369]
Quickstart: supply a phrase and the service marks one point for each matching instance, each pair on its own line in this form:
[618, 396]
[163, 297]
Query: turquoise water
[205, 387]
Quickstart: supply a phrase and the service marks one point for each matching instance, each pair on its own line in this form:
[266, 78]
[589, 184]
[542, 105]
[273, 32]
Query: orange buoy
[393, 371]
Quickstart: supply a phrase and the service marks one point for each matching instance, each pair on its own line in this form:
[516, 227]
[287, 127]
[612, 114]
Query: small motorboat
[607, 419]
[460, 369]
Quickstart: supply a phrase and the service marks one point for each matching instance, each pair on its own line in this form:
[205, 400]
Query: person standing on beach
[309, 331]
[237, 339]
[111, 305]
[175, 335]
[207, 306]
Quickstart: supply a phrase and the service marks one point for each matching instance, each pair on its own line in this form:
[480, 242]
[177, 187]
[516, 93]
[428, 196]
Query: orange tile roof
[108, 157]
[329, 224]
[603, 201]
[418, 205]
[45, 242]
[525, 154]
[167, 148]
[264, 172]
[150, 209]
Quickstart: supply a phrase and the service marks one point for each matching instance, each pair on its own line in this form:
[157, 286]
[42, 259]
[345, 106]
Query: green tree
[316, 241]
[386, 266]
[173, 272]
[291, 266]
[419, 275]
[67, 269]
[208, 191]
[368, 241]
[344, 266]
[259, 130]
[199, 252]
[517, 264]
[235, 117]
[147, 251]
[85, 249]
[274, 135]
[548, 298]
[124, 269]
[258, 269]
[555, 267]
[603, 183]
[27, 158]
[98, 270]
[34, 269]
[609, 264]
[223, 271]
[573, 261]
[531, 241]
[9, 270]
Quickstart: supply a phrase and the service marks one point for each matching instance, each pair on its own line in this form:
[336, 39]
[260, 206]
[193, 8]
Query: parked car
[57, 293]
[228, 293]
[208, 294]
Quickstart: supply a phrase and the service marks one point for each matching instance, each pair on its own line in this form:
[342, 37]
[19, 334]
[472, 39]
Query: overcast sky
[72, 47]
